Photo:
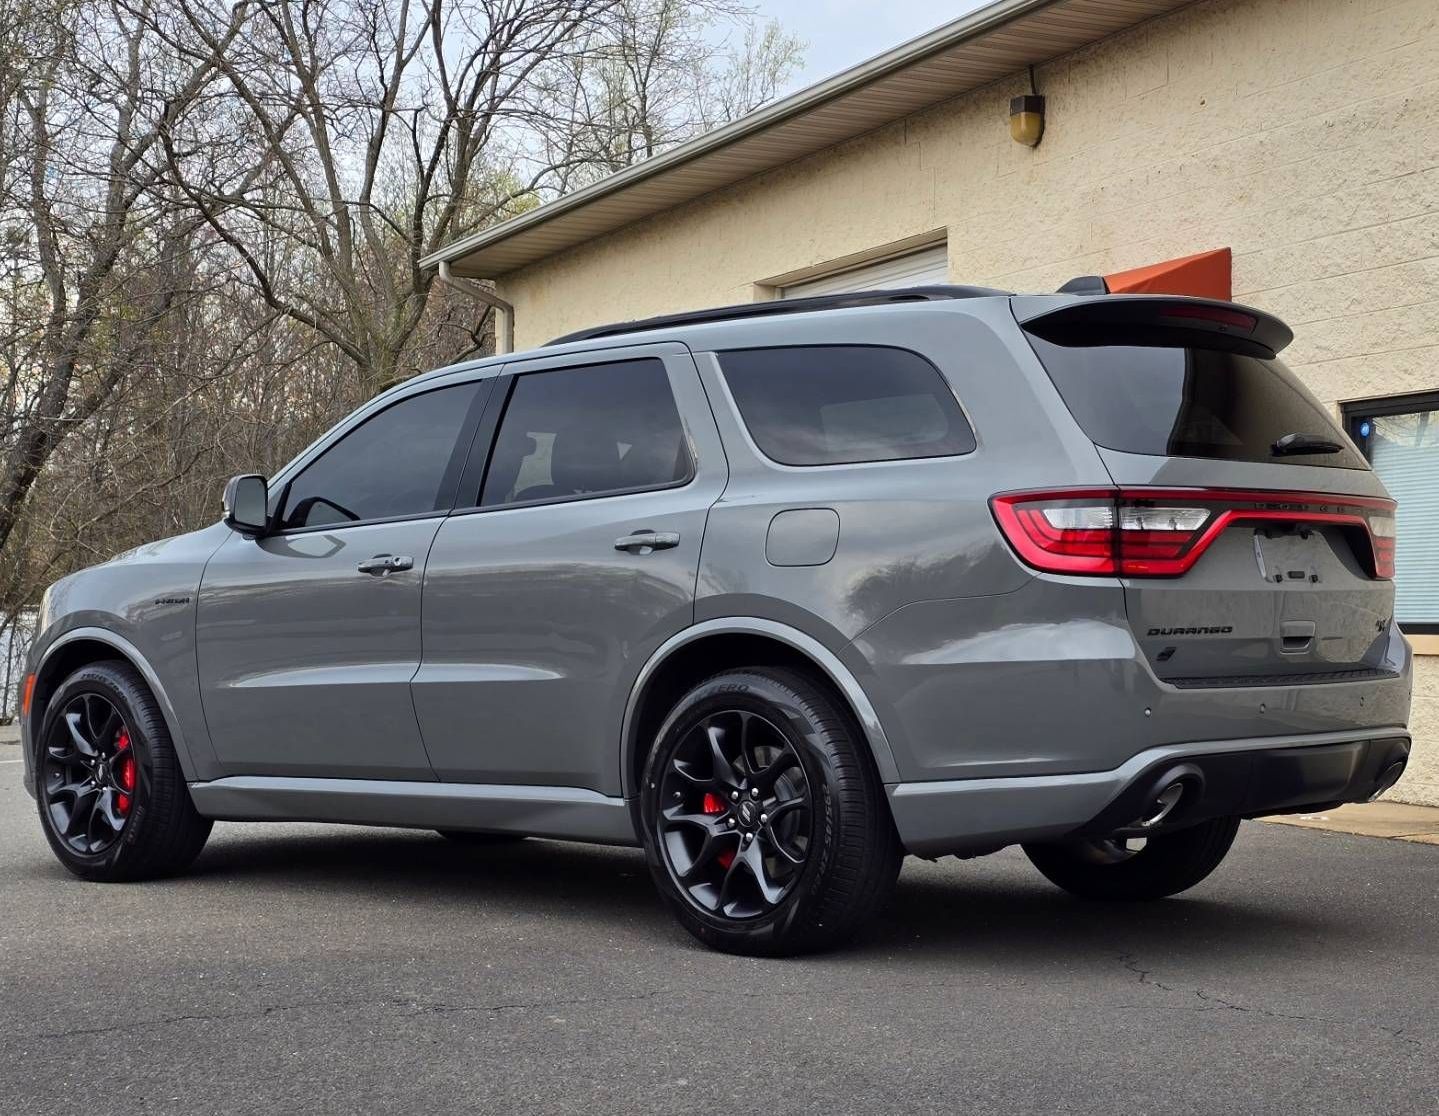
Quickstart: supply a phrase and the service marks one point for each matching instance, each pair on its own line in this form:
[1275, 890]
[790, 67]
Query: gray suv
[779, 592]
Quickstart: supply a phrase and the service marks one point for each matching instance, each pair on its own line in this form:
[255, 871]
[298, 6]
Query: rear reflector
[1151, 532]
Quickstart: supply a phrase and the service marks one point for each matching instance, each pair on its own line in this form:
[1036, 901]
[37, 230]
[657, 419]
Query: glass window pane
[1189, 403]
[587, 431]
[1404, 450]
[393, 464]
[840, 404]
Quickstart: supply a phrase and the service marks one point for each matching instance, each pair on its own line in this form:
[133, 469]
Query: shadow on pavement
[960, 914]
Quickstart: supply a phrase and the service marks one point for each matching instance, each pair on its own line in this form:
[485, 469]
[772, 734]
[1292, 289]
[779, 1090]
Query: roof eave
[805, 100]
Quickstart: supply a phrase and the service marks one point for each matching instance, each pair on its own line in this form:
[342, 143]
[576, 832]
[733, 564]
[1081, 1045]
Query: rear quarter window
[845, 404]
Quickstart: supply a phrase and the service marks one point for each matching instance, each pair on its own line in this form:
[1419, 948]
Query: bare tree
[653, 74]
[92, 249]
[211, 218]
[362, 130]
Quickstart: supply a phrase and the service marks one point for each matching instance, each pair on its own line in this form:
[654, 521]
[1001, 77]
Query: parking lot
[347, 969]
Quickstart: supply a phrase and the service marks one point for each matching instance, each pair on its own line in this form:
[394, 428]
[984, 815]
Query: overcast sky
[843, 32]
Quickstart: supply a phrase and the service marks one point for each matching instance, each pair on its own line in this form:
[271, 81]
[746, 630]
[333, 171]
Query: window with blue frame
[1400, 437]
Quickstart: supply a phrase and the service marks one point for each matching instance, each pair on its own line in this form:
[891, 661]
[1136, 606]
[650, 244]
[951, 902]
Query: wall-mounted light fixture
[1026, 116]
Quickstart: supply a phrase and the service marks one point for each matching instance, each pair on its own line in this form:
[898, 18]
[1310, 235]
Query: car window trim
[347, 524]
[477, 468]
[753, 442]
[495, 416]
[449, 487]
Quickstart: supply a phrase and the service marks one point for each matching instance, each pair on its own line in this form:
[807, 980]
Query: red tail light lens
[1147, 532]
[1381, 538]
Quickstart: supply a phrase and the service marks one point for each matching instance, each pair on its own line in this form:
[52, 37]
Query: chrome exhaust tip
[1163, 805]
[1388, 779]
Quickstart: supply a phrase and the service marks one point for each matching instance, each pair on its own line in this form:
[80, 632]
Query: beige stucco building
[1301, 134]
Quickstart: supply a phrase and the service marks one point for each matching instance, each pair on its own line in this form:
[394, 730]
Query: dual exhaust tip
[1178, 787]
[1388, 779]
[1175, 788]
[1163, 805]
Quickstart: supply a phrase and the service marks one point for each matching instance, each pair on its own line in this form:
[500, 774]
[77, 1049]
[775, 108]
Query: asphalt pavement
[349, 970]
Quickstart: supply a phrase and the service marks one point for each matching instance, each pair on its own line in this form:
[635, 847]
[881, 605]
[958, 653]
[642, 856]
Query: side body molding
[129, 651]
[822, 657]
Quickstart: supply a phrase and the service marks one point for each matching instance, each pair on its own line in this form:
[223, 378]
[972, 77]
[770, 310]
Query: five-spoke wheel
[735, 824]
[89, 774]
[764, 821]
[112, 797]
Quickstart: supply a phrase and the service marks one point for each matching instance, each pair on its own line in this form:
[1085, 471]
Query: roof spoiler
[1163, 320]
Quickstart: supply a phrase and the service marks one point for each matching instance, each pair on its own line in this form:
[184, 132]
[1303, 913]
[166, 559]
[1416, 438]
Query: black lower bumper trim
[1255, 783]
[1320, 678]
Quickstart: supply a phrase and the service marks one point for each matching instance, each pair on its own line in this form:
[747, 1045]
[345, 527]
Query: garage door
[915, 269]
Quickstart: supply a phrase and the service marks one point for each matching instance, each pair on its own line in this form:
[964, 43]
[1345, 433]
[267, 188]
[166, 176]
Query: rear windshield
[1188, 402]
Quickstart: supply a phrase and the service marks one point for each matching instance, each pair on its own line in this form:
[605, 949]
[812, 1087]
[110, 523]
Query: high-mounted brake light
[1148, 532]
[1219, 315]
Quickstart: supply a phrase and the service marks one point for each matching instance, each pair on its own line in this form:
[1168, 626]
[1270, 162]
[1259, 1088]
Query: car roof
[847, 300]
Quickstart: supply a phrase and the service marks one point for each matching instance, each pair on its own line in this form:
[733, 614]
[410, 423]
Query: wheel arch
[702, 650]
[83, 646]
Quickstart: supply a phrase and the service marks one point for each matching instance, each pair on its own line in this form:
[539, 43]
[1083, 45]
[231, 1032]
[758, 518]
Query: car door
[307, 639]
[578, 559]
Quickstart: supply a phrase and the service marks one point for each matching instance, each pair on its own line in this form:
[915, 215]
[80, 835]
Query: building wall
[1303, 134]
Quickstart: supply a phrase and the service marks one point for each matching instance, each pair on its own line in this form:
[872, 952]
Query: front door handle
[643, 542]
[382, 564]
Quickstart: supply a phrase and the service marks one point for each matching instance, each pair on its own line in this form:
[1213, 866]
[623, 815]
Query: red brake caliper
[714, 805]
[124, 771]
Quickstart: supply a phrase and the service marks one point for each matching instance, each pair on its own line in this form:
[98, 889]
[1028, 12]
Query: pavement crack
[1145, 975]
[1218, 1003]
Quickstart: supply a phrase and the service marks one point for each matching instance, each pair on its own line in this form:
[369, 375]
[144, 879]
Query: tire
[785, 747]
[468, 837]
[108, 706]
[1166, 865]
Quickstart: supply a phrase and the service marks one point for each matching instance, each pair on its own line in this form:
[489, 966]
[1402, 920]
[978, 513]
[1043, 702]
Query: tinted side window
[839, 404]
[587, 431]
[396, 463]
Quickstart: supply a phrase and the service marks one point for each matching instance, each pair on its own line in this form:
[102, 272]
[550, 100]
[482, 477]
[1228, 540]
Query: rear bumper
[1247, 778]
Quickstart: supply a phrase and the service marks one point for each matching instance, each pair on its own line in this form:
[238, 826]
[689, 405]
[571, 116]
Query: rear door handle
[643, 542]
[382, 564]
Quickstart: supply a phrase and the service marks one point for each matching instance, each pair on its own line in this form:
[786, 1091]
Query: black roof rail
[846, 301]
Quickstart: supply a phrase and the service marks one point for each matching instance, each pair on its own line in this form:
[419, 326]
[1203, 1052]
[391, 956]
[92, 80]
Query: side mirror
[246, 504]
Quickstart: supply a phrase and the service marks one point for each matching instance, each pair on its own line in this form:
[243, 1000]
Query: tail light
[1381, 538]
[1151, 532]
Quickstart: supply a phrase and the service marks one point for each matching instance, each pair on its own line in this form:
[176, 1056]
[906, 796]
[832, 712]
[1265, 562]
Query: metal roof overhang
[979, 48]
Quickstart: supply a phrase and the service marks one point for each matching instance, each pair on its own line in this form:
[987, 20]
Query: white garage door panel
[916, 269]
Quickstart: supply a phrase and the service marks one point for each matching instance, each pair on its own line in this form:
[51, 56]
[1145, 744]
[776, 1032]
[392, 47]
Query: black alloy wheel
[736, 820]
[112, 797]
[89, 774]
[763, 817]
[1129, 868]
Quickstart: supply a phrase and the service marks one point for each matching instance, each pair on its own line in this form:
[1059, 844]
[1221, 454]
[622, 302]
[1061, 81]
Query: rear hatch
[1254, 543]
